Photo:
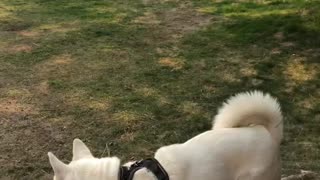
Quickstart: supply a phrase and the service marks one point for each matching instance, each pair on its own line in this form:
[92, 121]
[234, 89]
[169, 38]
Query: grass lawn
[140, 74]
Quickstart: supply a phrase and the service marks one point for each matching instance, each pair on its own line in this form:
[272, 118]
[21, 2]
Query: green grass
[142, 74]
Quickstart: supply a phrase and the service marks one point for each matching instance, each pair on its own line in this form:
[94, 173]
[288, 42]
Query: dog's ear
[60, 169]
[80, 150]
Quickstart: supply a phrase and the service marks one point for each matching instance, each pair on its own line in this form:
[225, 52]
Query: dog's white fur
[243, 145]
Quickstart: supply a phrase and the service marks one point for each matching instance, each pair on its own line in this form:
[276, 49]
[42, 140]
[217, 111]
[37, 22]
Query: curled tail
[251, 108]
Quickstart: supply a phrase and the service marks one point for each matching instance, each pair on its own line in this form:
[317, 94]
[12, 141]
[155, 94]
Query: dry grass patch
[191, 108]
[172, 63]
[58, 27]
[298, 70]
[57, 65]
[148, 18]
[309, 103]
[99, 105]
[20, 48]
[129, 118]
[29, 33]
[148, 92]
[248, 71]
[43, 88]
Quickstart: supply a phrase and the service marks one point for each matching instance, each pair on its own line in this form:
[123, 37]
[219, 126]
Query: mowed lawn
[140, 74]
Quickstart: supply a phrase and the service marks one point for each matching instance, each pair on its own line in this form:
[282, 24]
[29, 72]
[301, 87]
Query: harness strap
[127, 173]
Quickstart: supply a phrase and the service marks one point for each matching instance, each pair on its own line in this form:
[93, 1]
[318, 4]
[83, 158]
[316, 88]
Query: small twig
[106, 149]
[36, 44]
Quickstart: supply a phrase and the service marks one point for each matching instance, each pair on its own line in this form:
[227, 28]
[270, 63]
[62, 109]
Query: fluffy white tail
[251, 108]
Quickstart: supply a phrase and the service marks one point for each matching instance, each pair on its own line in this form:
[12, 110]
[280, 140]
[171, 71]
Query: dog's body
[243, 145]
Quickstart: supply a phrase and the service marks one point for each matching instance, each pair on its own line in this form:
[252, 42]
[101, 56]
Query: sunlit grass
[143, 74]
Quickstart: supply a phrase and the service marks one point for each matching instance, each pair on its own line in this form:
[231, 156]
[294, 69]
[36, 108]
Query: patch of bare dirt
[19, 142]
[23, 153]
[180, 21]
[28, 33]
[172, 24]
[20, 48]
[9, 107]
[43, 88]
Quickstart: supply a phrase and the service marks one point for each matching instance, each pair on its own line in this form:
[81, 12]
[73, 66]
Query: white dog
[242, 145]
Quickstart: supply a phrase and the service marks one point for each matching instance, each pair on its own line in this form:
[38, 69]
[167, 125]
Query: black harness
[127, 173]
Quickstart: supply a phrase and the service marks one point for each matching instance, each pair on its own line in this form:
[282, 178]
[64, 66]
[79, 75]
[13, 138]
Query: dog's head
[84, 166]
